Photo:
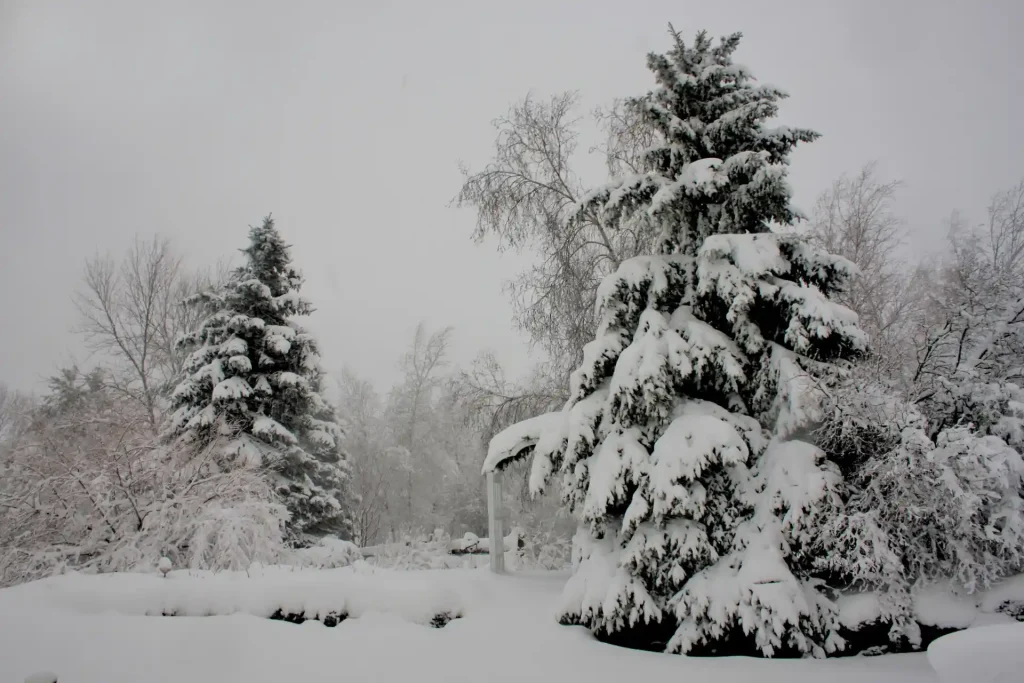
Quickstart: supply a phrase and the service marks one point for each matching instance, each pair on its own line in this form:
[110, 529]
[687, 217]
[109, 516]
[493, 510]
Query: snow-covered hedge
[271, 592]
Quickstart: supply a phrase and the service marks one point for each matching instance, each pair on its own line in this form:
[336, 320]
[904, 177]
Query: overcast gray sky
[348, 120]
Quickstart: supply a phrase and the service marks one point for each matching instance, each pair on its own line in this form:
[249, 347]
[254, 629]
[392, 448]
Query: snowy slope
[88, 629]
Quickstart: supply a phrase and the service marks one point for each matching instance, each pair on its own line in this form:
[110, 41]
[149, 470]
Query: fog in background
[348, 120]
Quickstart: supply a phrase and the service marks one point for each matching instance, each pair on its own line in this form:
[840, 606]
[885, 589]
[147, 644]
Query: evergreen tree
[683, 450]
[254, 376]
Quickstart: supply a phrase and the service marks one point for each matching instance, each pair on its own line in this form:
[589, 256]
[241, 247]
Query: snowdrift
[991, 654]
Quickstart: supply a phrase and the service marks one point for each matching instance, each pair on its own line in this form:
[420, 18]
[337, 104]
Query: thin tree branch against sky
[349, 120]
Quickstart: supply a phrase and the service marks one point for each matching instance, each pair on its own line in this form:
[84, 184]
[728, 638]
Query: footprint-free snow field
[113, 629]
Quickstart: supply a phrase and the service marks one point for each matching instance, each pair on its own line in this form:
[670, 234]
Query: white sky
[348, 120]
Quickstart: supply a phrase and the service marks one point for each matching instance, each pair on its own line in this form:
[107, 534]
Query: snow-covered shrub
[991, 407]
[87, 487]
[414, 552]
[862, 417]
[329, 552]
[917, 510]
[952, 508]
[546, 550]
[236, 536]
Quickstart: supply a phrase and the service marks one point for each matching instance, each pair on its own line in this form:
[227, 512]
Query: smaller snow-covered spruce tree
[681, 449]
[254, 374]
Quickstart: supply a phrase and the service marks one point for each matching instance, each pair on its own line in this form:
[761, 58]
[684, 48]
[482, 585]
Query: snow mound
[328, 553]
[990, 654]
[471, 543]
[940, 605]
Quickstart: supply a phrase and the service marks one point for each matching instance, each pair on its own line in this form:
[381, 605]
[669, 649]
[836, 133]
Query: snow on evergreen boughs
[693, 512]
[754, 588]
[254, 374]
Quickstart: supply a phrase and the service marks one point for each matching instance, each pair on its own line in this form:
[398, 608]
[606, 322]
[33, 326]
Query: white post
[494, 530]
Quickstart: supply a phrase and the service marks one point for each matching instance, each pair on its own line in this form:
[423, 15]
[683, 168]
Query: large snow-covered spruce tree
[254, 379]
[684, 448]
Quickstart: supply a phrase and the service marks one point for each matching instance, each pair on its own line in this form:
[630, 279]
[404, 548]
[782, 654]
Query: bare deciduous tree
[133, 311]
[372, 464]
[15, 411]
[527, 197]
[855, 218]
[421, 367]
[410, 402]
[494, 402]
[974, 317]
[626, 138]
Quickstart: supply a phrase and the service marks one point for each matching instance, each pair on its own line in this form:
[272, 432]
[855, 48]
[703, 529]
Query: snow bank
[509, 443]
[341, 593]
[991, 654]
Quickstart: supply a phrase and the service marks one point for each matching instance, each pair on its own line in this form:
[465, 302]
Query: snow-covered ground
[94, 629]
[991, 654]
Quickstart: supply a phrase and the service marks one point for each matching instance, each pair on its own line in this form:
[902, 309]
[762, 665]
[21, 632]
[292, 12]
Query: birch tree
[526, 197]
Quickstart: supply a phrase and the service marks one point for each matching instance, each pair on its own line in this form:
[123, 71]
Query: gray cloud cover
[347, 120]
